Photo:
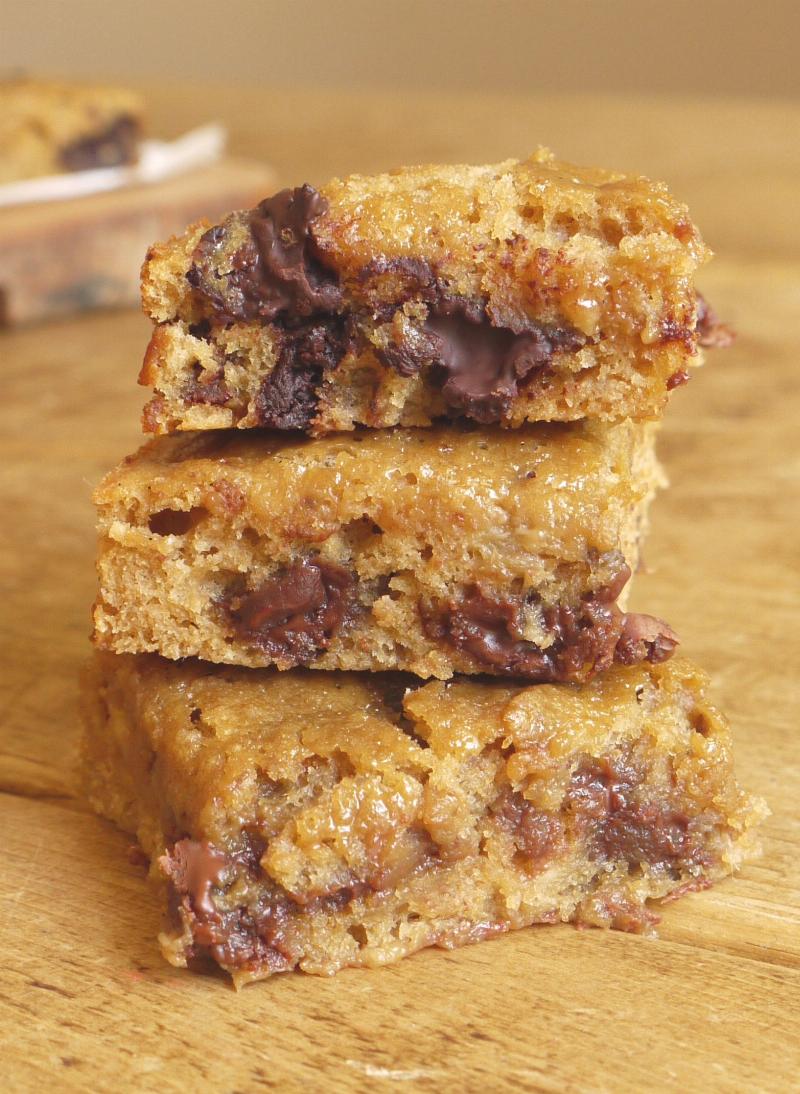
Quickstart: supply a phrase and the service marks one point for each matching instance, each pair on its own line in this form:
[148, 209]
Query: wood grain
[86, 1001]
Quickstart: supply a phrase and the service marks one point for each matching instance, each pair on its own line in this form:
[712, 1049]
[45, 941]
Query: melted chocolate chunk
[251, 936]
[608, 800]
[214, 392]
[646, 833]
[481, 366]
[484, 365]
[295, 613]
[287, 398]
[264, 264]
[587, 637]
[116, 145]
[537, 834]
[194, 868]
[239, 938]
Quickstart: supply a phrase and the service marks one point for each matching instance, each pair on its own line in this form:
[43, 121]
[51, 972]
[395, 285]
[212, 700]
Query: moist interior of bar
[316, 821]
[424, 550]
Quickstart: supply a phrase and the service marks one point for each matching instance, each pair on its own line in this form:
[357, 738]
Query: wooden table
[87, 1002]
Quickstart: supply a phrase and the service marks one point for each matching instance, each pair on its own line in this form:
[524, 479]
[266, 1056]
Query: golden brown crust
[322, 820]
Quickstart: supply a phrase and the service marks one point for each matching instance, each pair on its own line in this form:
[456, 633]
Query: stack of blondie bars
[365, 680]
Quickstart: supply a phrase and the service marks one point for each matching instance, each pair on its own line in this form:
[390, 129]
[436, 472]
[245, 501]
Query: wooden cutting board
[713, 1004]
[62, 257]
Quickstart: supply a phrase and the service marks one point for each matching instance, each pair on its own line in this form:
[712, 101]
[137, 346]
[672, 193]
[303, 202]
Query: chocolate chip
[238, 938]
[212, 392]
[264, 264]
[536, 833]
[645, 833]
[587, 637]
[484, 365]
[681, 376]
[608, 799]
[116, 145]
[287, 399]
[297, 611]
[194, 868]
[481, 367]
[645, 638]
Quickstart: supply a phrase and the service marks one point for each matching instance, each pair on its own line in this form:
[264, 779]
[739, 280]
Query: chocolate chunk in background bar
[297, 611]
[536, 833]
[605, 797]
[262, 264]
[287, 399]
[116, 145]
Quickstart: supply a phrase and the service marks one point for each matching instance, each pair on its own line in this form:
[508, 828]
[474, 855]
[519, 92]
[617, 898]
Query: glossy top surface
[552, 487]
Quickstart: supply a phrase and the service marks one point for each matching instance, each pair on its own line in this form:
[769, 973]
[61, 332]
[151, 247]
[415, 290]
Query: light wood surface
[86, 1002]
[62, 257]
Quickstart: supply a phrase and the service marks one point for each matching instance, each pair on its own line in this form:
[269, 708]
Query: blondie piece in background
[528, 290]
[434, 551]
[48, 127]
[317, 820]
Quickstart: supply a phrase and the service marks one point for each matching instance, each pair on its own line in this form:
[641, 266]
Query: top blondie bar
[530, 290]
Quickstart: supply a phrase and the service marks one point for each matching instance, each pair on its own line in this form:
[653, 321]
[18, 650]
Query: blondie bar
[433, 551]
[529, 290]
[48, 127]
[318, 820]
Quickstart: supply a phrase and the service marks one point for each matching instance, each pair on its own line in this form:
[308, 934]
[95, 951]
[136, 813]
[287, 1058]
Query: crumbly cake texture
[319, 820]
[529, 290]
[431, 551]
[48, 127]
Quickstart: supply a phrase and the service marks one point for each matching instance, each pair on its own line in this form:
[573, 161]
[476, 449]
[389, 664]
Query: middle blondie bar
[433, 551]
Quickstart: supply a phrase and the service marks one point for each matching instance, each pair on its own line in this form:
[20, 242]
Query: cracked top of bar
[434, 551]
[529, 290]
[317, 820]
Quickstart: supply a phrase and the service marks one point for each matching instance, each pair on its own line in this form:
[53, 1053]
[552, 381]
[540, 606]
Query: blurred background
[721, 47]
[684, 90]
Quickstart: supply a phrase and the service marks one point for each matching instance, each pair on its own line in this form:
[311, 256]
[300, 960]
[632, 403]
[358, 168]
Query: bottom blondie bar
[316, 820]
